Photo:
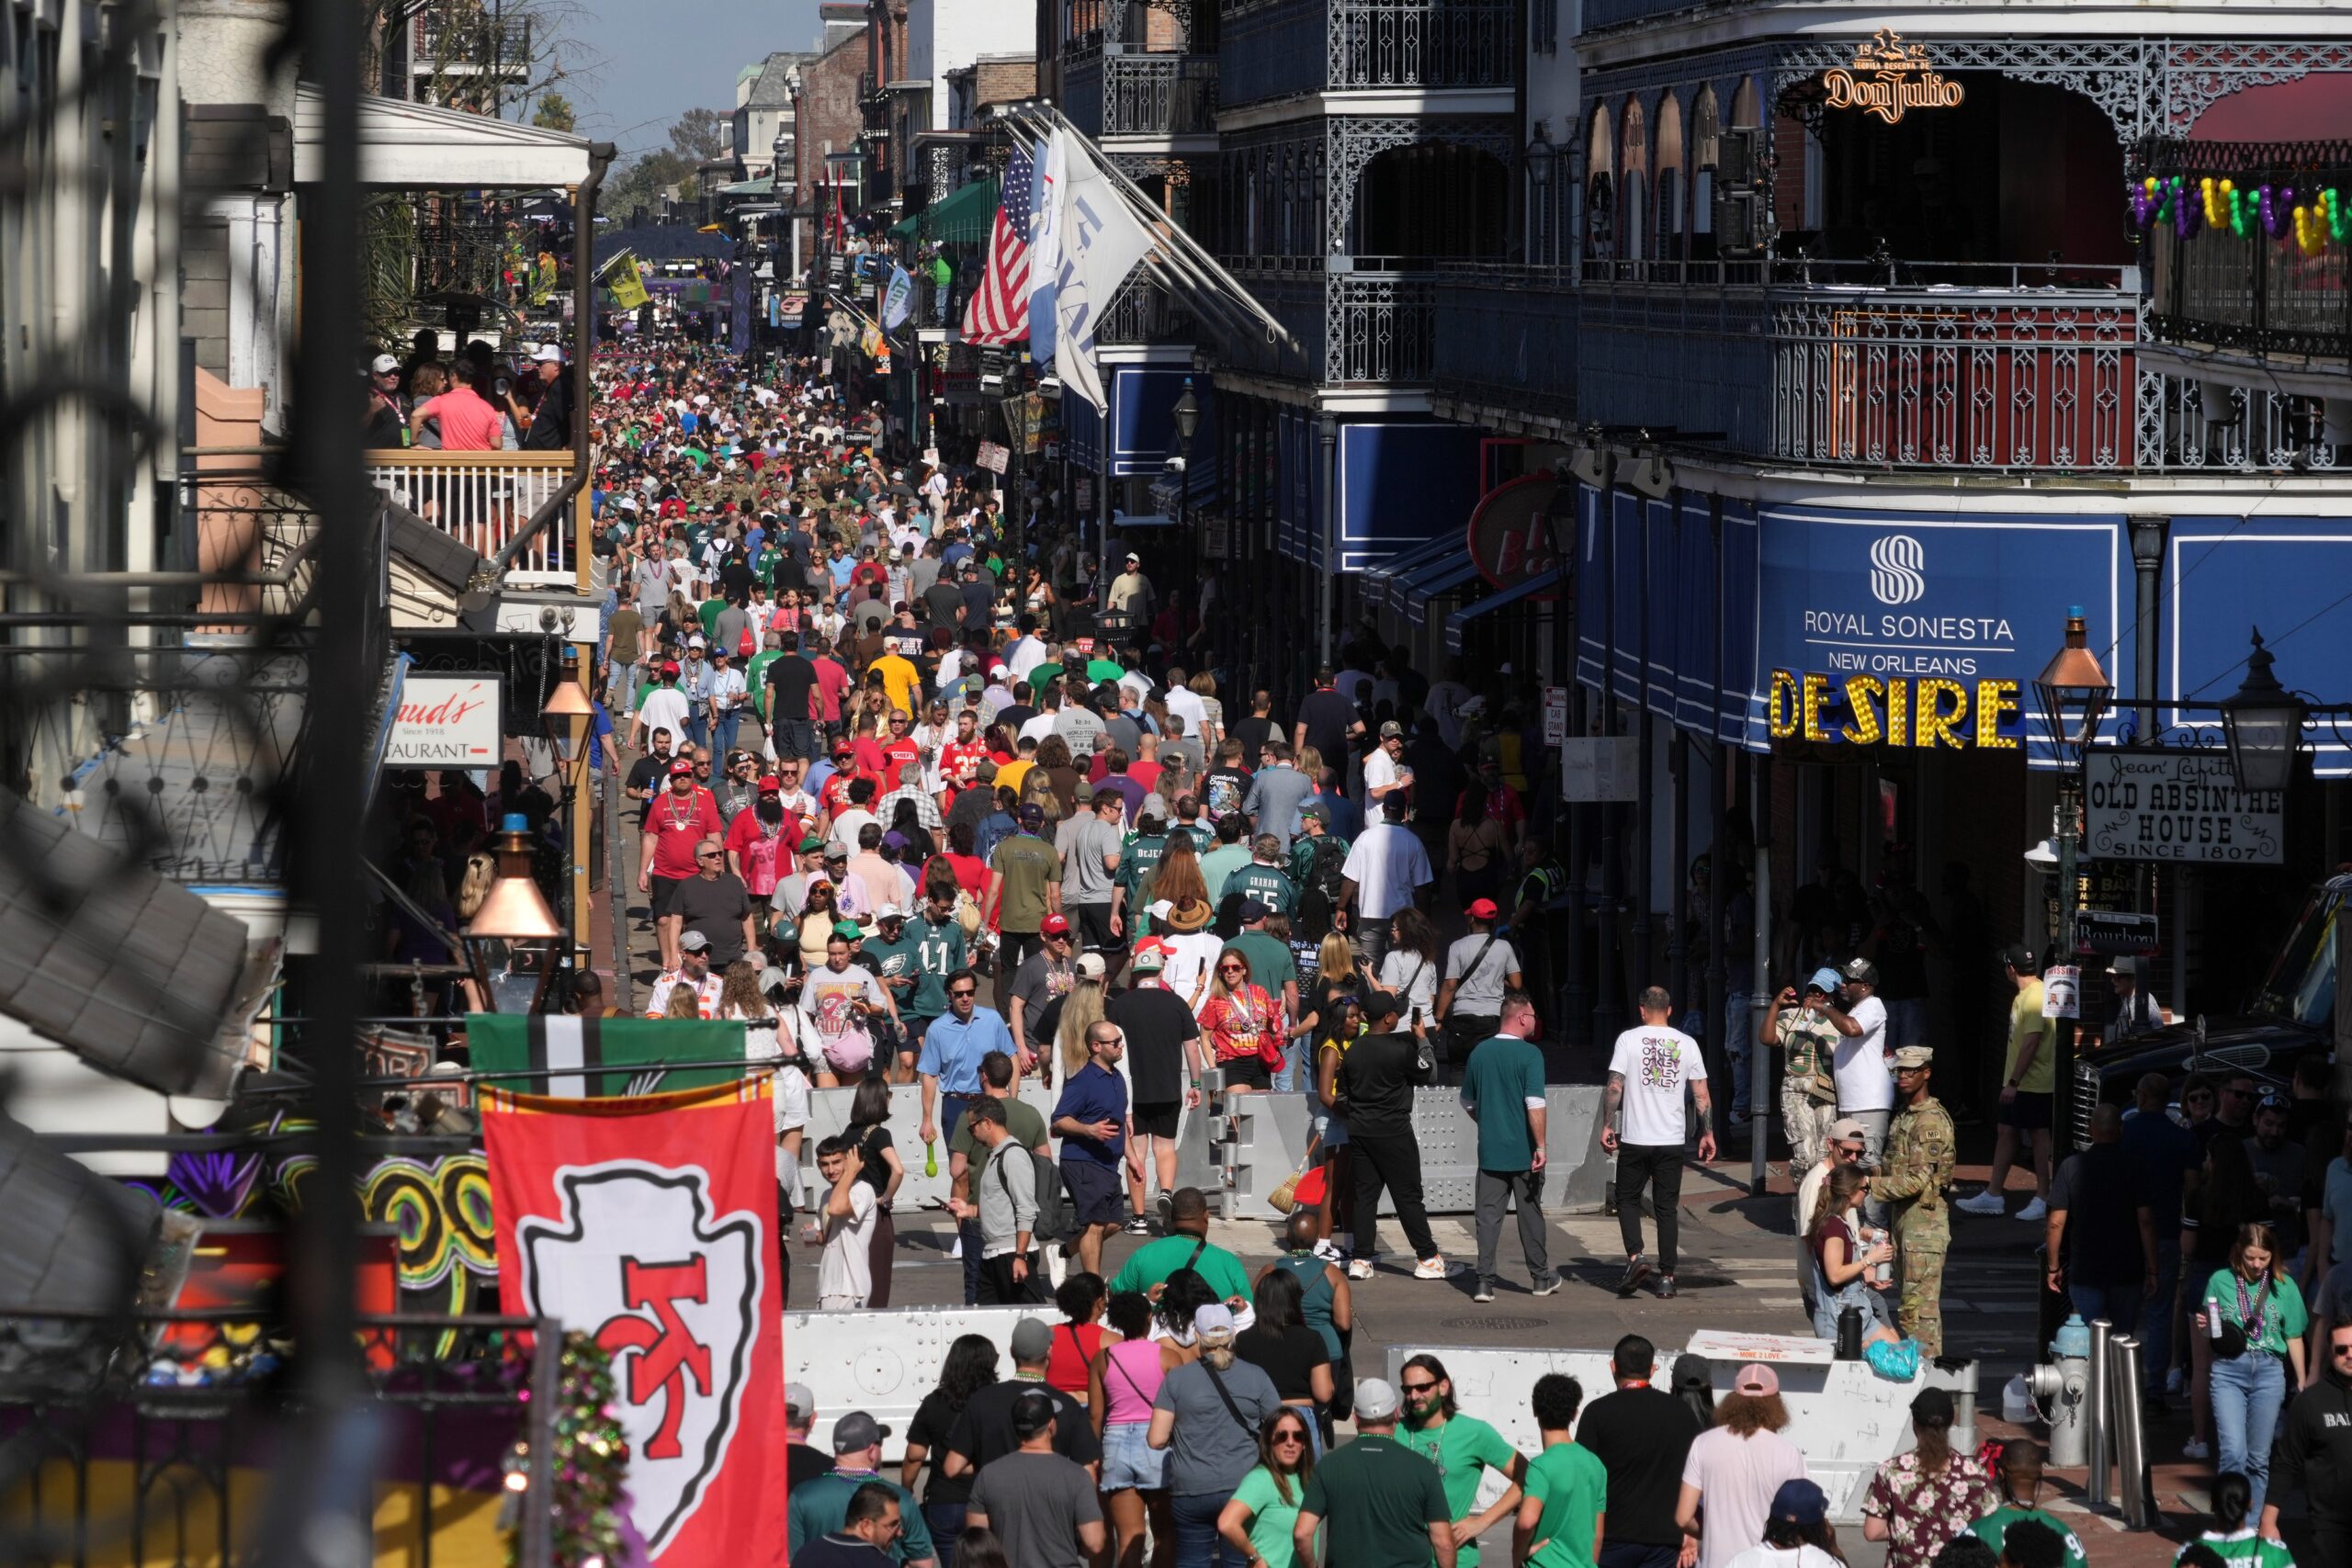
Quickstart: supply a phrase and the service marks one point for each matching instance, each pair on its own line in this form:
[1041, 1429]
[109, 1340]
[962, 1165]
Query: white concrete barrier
[885, 1361]
[1846, 1419]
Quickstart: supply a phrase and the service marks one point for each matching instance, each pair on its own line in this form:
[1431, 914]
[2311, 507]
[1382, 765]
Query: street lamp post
[2263, 722]
[2072, 694]
[1187, 415]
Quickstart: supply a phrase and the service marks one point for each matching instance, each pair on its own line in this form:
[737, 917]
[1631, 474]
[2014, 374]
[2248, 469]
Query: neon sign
[1889, 77]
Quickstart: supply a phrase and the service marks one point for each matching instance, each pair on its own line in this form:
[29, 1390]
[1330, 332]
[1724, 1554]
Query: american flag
[998, 311]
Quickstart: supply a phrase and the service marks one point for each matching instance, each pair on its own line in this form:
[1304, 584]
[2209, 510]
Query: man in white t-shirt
[844, 1272]
[1383, 770]
[1643, 1124]
[1384, 872]
[1865, 1072]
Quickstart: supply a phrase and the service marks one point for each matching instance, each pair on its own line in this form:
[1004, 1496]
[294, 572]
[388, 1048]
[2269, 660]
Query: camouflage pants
[1806, 1121]
[1920, 1311]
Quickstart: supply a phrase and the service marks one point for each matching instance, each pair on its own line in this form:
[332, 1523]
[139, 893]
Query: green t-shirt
[2239, 1549]
[818, 1507]
[708, 616]
[939, 950]
[1270, 1518]
[1573, 1486]
[1994, 1528]
[900, 965]
[1153, 1261]
[1504, 1074]
[1139, 861]
[1376, 1499]
[1028, 863]
[756, 676]
[2282, 1316]
[1271, 964]
[1103, 672]
[1462, 1449]
[1266, 884]
[1022, 1120]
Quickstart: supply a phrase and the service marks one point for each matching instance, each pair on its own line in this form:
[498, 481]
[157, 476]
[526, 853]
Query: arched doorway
[1432, 200]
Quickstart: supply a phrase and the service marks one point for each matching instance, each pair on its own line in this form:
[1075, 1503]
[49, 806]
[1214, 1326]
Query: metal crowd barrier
[884, 1362]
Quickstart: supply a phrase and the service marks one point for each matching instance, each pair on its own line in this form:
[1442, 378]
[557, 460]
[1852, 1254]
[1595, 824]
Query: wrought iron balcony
[459, 38]
[1506, 338]
[2255, 292]
[1141, 94]
[1615, 12]
[1354, 328]
[1143, 313]
[1272, 49]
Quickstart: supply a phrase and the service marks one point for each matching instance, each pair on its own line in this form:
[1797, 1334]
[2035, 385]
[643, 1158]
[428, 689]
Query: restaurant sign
[445, 721]
[2183, 805]
[1889, 77]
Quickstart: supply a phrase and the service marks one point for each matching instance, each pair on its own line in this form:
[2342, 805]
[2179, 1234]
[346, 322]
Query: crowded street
[1293, 784]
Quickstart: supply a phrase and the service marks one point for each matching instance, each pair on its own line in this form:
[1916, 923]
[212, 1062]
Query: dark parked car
[2290, 1015]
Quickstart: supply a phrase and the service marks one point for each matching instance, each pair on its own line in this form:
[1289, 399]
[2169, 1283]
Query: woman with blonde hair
[1082, 1009]
[1203, 686]
[1238, 1021]
[1335, 976]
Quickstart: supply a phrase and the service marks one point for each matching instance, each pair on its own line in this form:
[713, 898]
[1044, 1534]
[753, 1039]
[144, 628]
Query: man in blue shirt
[1092, 1117]
[952, 1049]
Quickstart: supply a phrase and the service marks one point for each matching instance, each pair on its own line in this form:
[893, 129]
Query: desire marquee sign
[1888, 77]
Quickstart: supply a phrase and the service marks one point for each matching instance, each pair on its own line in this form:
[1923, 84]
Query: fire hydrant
[2062, 1387]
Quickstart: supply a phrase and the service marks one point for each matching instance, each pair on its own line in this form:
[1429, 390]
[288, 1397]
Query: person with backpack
[1319, 860]
[1479, 969]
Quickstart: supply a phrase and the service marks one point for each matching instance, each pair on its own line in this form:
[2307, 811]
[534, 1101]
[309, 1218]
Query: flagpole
[1191, 250]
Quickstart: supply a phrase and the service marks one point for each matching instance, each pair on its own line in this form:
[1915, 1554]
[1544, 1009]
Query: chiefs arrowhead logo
[670, 1292]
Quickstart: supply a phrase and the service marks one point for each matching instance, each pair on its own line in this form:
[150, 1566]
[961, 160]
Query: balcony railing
[2251, 291]
[1507, 338]
[1143, 313]
[1141, 94]
[1272, 48]
[481, 499]
[1613, 13]
[1354, 329]
[461, 42]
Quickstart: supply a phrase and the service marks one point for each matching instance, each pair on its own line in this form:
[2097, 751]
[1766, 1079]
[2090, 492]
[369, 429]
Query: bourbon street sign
[1889, 76]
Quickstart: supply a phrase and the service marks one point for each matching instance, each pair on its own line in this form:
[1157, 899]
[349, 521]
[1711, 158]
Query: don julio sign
[1888, 77]
[2184, 806]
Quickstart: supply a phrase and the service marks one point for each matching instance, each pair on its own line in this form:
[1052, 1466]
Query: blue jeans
[623, 691]
[2247, 1393]
[946, 1521]
[2119, 1304]
[1286, 1081]
[725, 735]
[1197, 1544]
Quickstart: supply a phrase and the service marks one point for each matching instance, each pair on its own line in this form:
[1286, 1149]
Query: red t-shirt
[896, 757]
[1502, 805]
[971, 872]
[767, 859]
[1145, 773]
[832, 683]
[468, 423]
[959, 762]
[834, 796]
[677, 829]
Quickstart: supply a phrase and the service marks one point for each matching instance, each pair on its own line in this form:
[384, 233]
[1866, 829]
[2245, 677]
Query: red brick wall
[1004, 81]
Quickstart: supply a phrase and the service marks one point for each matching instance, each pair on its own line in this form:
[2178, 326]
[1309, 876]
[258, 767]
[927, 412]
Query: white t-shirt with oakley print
[1657, 1065]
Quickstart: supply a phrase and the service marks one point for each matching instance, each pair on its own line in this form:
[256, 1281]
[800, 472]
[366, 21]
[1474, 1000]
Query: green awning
[964, 216]
[764, 185]
[905, 227]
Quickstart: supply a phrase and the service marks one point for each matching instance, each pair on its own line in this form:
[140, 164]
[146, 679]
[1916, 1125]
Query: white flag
[1102, 243]
[1043, 236]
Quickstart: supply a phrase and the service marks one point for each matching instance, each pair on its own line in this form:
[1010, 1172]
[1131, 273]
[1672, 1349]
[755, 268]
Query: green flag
[634, 1049]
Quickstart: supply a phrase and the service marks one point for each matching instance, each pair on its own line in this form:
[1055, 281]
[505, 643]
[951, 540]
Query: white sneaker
[1326, 1251]
[1359, 1268]
[2196, 1449]
[1431, 1267]
[1985, 1202]
[2036, 1210]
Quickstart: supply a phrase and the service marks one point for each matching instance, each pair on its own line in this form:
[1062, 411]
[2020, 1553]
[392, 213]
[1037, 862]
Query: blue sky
[647, 65]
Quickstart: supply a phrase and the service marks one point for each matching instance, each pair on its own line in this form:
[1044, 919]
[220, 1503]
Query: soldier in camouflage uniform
[1920, 1155]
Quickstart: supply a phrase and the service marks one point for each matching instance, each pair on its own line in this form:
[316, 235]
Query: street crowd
[928, 790]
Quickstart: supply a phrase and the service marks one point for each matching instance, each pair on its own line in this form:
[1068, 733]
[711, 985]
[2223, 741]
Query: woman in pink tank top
[1121, 1380]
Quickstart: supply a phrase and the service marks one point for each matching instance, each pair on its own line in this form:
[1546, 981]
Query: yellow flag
[628, 285]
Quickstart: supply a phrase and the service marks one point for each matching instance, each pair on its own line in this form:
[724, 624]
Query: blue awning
[1619, 622]
[1526, 589]
[2285, 575]
[1383, 583]
[1428, 583]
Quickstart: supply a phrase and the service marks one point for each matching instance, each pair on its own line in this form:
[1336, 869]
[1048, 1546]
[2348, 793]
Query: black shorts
[1246, 1072]
[1094, 1196]
[2028, 1112]
[1093, 924]
[1157, 1119]
[665, 893]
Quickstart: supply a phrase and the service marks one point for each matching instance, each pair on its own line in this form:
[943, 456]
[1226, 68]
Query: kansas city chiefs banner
[651, 1222]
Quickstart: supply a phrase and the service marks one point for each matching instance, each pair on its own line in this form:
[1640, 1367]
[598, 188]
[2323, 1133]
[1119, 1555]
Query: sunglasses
[1289, 1437]
[966, 991]
[1419, 1387]
[709, 854]
[1232, 969]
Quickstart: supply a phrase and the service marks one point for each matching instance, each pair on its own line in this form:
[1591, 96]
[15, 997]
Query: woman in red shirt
[1081, 1297]
[1237, 1018]
[957, 863]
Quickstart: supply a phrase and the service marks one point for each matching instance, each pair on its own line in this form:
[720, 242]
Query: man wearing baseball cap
[1920, 1152]
[804, 1462]
[820, 1507]
[1164, 1067]
[663, 707]
[677, 824]
[551, 423]
[1808, 1034]
[1479, 968]
[385, 421]
[1736, 1466]
[1374, 1500]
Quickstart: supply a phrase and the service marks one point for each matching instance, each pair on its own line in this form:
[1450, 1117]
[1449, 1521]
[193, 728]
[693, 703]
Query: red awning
[2317, 108]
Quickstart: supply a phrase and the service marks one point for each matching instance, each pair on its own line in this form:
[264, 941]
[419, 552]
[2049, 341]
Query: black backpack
[1057, 1219]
